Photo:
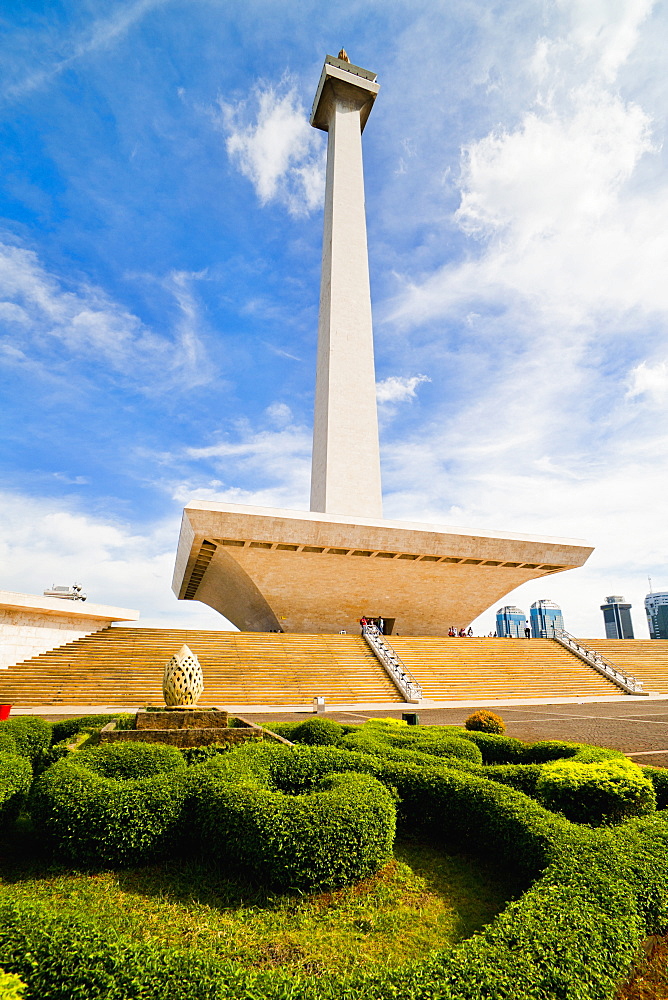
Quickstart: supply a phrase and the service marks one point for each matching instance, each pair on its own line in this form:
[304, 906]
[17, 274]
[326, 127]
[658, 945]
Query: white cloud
[44, 542]
[273, 145]
[40, 309]
[279, 413]
[279, 461]
[397, 389]
[650, 381]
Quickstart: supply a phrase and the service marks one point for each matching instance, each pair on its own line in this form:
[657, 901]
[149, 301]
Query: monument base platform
[267, 569]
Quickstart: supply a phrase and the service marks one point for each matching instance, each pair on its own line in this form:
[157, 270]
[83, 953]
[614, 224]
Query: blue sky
[160, 229]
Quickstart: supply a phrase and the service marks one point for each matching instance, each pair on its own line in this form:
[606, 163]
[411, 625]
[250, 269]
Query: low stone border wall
[179, 737]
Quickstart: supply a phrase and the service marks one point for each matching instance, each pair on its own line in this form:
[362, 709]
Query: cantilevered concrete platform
[266, 569]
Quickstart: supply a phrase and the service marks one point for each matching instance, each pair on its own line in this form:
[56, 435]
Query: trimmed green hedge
[603, 792]
[340, 831]
[593, 893]
[15, 779]
[31, 734]
[573, 935]
[92, 818]
[84, 724]
[128, 802]
[379, 735]
[318, 732]
[131, 760]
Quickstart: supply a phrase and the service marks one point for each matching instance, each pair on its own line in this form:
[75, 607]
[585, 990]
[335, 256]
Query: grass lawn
[422, 900]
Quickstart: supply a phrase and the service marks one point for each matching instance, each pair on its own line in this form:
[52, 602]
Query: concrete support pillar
[345, 476]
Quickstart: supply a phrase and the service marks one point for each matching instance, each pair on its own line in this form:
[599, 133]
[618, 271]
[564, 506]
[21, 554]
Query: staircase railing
[626, 682]
[396, 669]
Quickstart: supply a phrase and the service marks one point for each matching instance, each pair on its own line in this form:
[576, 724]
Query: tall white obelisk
[345, 471]
[268, 569]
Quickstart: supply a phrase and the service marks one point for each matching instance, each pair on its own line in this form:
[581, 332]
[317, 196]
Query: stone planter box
[186, 728]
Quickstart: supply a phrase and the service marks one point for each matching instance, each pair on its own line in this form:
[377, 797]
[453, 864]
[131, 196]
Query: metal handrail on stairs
[626, 682]
[396, 669]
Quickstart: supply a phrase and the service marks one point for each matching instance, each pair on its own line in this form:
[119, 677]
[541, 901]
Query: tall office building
[617, 618]
[656, 609]
[545, 617]
[510, 622]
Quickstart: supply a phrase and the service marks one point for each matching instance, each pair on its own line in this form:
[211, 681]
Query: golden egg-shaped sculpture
[183, 680]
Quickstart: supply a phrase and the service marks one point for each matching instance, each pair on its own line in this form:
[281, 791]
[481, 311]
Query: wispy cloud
[101, 33]
[268, 466]
[269, 139]
[43, 313]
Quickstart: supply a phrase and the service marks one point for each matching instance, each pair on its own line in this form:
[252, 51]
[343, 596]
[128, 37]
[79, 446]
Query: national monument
[267, 569]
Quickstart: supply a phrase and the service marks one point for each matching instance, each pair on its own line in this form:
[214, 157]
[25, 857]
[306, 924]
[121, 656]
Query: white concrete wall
[26, 633]
[30, 624]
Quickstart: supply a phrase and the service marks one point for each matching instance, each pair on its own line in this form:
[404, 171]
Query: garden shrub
[496, 749]
[377, 737]
[522, 777]
[284, 729]
[126, 802]
[485, 722]
[67, 728]
[318, 732]
[659, 778]
[32, 734]
[58, 750]
[601, 792]
[11, 987]
[7, 743]
[131, 760]
[88, 817]
[340, 832]
[15, 779]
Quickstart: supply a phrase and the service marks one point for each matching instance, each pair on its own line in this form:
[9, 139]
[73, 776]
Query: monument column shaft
[345, 475]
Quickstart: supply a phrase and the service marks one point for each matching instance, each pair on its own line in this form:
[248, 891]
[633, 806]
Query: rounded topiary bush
[89, 817]
[598, 793]
[485, 722]
[31, 734]
[318, 732]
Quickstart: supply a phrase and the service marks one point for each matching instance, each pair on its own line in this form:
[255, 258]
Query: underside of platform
[266, 569]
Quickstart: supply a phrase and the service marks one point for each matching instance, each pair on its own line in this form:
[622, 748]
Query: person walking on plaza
[527, 631]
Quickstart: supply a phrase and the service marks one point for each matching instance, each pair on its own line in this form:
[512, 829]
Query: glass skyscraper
[545, 617]
[510, 622]
[656, 609]
[617, 618]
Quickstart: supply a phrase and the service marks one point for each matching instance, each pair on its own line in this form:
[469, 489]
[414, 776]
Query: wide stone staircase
[646, 659]
[487, 669]
[122, 667]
